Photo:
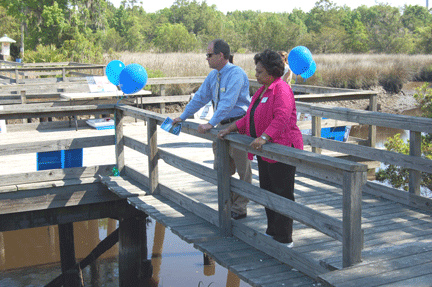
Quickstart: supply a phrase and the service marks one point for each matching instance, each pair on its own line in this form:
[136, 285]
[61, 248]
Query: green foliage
[45, 54]
[425, 74]
[423, 96]
[190, 25]
[174, 38]
[82, 50]
[399, 177]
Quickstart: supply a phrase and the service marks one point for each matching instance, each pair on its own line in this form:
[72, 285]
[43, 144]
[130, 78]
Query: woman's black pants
[278, 178]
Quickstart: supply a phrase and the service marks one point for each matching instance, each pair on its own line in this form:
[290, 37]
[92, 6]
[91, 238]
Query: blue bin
[334, 133]
[60, 159]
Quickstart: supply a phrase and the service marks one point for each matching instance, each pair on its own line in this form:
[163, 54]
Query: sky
[273, 5]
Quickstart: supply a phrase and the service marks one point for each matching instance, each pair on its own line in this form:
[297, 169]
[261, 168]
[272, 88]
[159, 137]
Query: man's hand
[176, 120]
[204, 128]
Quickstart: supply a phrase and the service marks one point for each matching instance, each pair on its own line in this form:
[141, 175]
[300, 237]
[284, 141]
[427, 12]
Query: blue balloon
[299, 60]
[309, 73]
[133, 78]
[113, 70]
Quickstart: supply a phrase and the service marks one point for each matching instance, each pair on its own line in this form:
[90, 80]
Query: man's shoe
[235, 215]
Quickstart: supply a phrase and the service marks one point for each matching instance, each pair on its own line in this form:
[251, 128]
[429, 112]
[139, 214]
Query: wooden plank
[137, 145]
[193, 168]
[55, 175]
[389, 157]
[123, 187]
[53, 145]
[165, 99]
[377, 274]
[290, 256]
[303, 214]
[13, 112]
[417, 124]
[424, 280]
[54, 197]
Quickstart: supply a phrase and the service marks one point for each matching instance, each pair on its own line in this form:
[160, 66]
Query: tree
[385, 29]
[174, 38]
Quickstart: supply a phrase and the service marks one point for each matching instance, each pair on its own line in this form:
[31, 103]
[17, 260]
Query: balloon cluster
[301, 63]
[131, 78]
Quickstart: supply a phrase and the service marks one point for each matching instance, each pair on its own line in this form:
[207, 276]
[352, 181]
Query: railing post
[119, 141]
[63, 74]
[163, 93]
[316, 131]
[153, 156]
[16, 76]
[414, 175]
[372, 129]
[224, 187]
[351, 223]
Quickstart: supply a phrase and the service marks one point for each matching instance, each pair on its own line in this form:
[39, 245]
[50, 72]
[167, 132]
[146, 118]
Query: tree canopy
[91, 27]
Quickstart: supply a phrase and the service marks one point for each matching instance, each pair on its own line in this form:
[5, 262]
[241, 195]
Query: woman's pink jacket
[275, 116]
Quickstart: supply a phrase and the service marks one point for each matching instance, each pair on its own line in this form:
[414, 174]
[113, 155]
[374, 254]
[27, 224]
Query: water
[31, 257]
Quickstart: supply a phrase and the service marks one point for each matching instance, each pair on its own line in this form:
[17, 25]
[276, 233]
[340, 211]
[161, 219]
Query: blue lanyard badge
[264, 100]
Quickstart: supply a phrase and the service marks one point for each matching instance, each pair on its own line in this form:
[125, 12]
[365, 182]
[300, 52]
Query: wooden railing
[414, 161]
[349, 175]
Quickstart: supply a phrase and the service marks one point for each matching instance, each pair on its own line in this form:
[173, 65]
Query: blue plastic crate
[334, 133]
[60, 159]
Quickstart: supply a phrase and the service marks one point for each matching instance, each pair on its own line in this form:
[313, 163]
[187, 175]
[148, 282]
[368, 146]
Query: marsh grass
[355, 71]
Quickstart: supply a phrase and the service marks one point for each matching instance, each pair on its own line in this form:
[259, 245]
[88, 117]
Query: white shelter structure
[5, 46]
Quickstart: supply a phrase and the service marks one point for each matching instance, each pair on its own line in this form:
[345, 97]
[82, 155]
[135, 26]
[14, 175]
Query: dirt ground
[402, 103]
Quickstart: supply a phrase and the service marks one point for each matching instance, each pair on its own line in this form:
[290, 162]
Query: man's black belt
[230, 120]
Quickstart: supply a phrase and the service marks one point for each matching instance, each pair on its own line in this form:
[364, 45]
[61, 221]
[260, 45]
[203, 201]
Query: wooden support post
[72, 276]
[64, 75]
[224, 187]
[153, 157]
[134, 268]
[372, 129]
[352, 240]
[316, 131]
[16, 76]
[163, 93]
[23, 102]
[119, 141]
[415, 175]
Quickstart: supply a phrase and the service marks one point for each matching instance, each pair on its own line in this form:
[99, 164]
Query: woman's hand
[223, 133]
[257, 143]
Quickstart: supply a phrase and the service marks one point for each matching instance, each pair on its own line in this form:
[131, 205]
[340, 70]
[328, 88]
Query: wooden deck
[397, 239]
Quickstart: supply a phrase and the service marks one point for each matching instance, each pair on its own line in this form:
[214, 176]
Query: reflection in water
[31, 257]
[156, 258]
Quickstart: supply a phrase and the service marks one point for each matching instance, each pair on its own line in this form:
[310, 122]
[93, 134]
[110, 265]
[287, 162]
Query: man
[227, 86]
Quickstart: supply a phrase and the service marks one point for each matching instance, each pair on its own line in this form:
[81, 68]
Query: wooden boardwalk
[397, 239]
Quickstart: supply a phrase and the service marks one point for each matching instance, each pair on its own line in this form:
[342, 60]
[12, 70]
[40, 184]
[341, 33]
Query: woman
[287, 75]
[271, 117]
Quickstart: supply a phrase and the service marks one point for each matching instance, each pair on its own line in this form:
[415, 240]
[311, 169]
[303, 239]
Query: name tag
[264, 100]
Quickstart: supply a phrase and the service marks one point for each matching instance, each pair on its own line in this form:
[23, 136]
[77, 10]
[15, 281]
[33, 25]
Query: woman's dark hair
[220, 46]
[272, 62]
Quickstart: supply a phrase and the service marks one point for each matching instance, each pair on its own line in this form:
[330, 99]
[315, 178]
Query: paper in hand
[169, 127]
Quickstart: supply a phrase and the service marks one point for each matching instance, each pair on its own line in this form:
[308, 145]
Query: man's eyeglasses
[209, 55]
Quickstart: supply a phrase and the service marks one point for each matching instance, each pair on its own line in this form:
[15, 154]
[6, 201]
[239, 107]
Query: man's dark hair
[220, 46]
[272, 62]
